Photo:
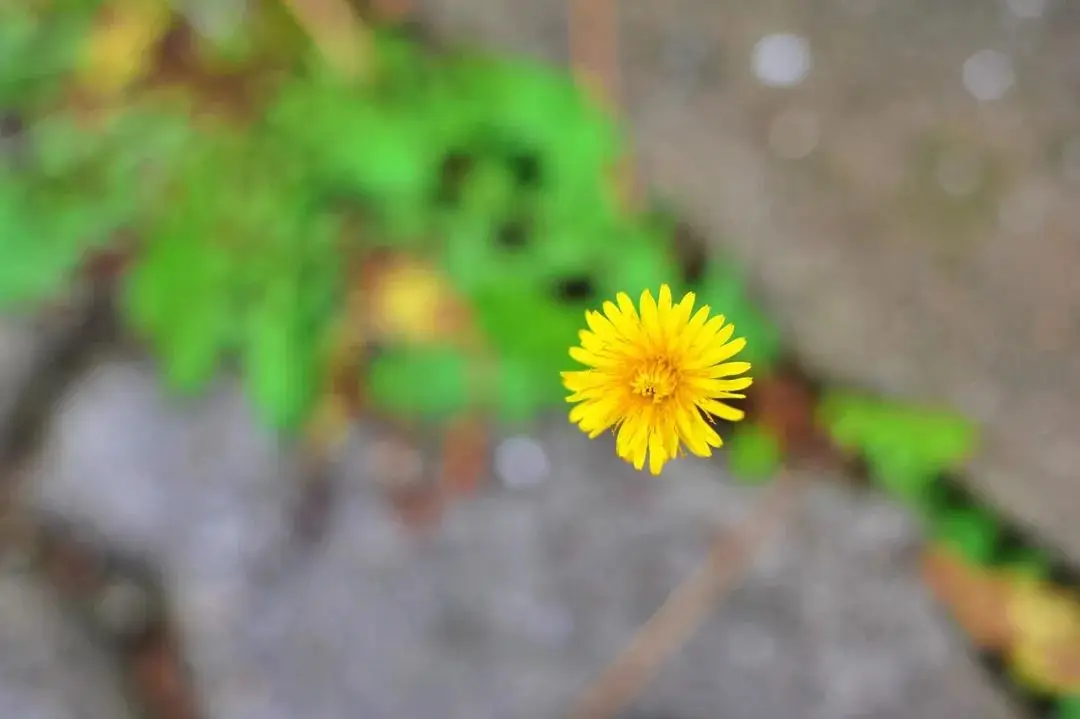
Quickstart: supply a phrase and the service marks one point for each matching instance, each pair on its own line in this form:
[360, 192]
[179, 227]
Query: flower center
[655, 380]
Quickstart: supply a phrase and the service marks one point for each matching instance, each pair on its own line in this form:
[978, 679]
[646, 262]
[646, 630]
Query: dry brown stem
[687, 606]
[594, 57]
[338, 32]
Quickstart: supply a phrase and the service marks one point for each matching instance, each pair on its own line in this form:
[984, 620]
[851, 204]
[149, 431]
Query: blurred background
[898, 181]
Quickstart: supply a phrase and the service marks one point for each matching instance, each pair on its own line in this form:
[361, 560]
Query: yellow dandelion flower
[656, 377]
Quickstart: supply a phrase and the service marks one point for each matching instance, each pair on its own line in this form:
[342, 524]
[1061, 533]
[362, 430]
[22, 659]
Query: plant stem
[393, 10]
[340, 35]
[594, 57]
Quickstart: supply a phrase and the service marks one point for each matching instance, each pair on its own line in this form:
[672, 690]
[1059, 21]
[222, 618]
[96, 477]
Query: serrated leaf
[282, 369]
[46, 232]
[178, 295]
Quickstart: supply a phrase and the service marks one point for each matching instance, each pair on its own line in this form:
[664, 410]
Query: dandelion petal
[651, 371]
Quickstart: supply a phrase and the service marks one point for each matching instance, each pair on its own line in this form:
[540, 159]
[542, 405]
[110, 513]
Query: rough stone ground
[49, 669]
[910, 237]
[503, 611]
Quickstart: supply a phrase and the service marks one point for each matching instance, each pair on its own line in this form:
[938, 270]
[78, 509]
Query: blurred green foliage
[1068, 708]
[1026, 563]
[754, 452]
[38, 49]
[444, 391]
[970, 531]
[497, 169]
[907, 448]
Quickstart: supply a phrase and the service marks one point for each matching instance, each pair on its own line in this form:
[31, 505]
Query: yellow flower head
[657, 376]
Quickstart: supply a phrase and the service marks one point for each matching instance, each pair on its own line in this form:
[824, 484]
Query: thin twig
[392, 10]
[687, 606]
[67, 357]
[338, 406]
[594, 57]
[594, 53]
[339, 33]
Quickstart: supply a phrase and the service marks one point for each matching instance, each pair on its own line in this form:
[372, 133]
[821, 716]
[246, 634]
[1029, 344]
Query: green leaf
[468, 256]
[145, 148]
[1068, 707]
[524, 106]
[1026, 563]
[79, 190]
[191, 349]
[45, 232]
[178, 295]
[182, 292]
[293, 283]
[523, 390]
[754, 453]
[907, 448]
[239, 260]
[525, 324]
[354, 144]
[38, 47]
[636, 259]
[402, 66]
[972, 532]
[420, 383]
[488, 191]
[282, 365]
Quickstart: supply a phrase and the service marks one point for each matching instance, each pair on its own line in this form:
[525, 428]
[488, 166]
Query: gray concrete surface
[511, 605]
[48, 668]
